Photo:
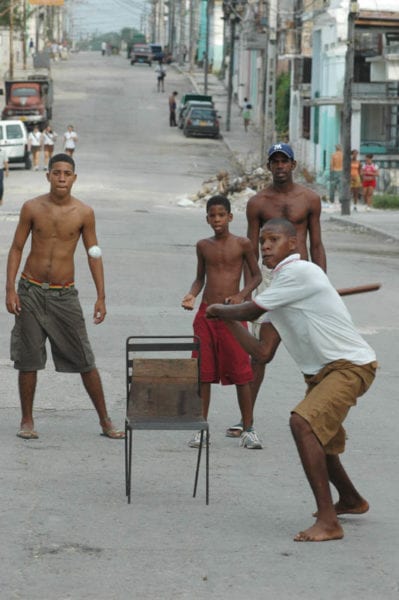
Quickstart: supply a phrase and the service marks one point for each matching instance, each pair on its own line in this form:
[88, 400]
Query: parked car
[14, 140]
[202, 121]
[141, 53]
[191, 97]
[184, 111]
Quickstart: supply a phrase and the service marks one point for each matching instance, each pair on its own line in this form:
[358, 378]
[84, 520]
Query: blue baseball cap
[283, 148]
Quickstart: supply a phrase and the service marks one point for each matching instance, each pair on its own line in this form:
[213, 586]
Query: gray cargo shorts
[56, 315]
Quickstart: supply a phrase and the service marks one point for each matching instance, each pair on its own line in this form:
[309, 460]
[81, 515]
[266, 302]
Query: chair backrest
[164, 388]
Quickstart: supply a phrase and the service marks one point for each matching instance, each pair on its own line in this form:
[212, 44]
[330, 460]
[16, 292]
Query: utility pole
[347, 111]
[192, 35]
[231, 70]
[182, 36]
[11, 46]
[24, 18]
[206, 56]
[263, 103]
[268, 105]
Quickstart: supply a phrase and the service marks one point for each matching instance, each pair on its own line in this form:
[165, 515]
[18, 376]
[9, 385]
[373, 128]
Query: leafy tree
[282, 104]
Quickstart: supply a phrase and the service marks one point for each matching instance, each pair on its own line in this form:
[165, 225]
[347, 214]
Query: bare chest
[223, 257]
[61, 224]
[294, 211]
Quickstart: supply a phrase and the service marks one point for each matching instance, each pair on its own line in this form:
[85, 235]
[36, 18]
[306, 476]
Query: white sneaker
[196, 440]
[249, 439]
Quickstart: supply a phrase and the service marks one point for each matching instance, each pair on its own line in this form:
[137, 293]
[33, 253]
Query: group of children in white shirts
[46, 139]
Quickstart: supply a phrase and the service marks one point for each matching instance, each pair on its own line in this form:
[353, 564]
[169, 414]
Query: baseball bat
[360, 289]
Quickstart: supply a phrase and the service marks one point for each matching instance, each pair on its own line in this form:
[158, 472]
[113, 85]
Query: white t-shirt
[49, 138]
[311, 318]
[35, 138]
[70, 139]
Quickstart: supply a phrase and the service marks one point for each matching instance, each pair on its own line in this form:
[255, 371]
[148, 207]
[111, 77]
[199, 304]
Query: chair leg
[126, 461]
[198, 464]
[207, 467]
[129, 465]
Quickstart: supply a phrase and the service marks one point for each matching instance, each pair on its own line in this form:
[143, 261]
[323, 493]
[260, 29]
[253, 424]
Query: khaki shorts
[265, 283]
[56, 315]
[329, 396]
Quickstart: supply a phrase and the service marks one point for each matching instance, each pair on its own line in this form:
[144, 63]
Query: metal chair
[163, 393]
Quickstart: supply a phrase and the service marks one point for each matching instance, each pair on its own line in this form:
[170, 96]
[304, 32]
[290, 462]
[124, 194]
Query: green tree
[282, 104]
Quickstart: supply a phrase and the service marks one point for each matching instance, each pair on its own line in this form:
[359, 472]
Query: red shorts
[222, 358]
[371, 183]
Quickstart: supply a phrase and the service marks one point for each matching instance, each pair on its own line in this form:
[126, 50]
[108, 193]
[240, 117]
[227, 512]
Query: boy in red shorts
[221, 260]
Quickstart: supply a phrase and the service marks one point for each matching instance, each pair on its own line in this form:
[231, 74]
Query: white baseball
[94, 252]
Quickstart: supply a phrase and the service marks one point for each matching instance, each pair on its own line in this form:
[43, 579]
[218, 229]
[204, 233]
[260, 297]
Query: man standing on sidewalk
[281, 199]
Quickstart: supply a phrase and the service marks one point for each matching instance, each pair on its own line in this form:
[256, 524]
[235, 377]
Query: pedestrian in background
[70, 140]
[246, 113]
[3, 171]
[172, 109]
[48, 137]
[336, 166]
[369, 173]
[356, 182]
[161, 74]
[35, 145]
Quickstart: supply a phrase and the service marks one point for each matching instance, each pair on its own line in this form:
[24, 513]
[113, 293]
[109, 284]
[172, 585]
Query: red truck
[29, 97]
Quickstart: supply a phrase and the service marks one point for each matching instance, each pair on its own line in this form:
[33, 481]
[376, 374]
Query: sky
[90, 16]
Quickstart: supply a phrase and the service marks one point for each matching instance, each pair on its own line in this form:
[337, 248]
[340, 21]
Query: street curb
[363, 227]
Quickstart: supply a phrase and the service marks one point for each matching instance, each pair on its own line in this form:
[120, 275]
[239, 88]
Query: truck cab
[28, 98]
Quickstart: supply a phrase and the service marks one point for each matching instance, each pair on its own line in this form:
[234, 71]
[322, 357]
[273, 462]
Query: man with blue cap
[282, 198]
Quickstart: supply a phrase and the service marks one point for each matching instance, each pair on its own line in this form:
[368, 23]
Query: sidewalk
[245, 148]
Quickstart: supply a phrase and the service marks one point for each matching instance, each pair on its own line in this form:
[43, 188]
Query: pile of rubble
[238, 190]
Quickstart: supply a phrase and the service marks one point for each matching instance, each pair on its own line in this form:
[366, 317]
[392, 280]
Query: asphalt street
[67, 530]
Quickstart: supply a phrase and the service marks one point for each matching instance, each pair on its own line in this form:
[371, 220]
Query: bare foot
[345, 509]
[320, 533]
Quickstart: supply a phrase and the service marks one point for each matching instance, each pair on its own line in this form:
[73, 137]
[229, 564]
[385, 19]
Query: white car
[14, 140]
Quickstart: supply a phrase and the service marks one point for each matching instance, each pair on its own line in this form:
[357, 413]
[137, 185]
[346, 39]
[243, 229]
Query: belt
[47, 286]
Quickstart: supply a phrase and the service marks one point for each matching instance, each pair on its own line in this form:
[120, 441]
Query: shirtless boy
[337, 364]
[302, 207]
[46, 305]
[220, 262]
